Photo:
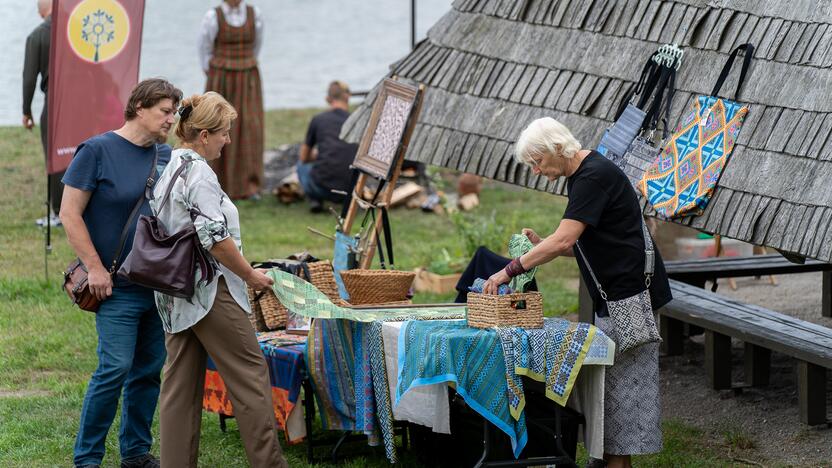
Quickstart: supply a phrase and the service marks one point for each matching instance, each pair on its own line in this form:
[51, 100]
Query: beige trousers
[226, 334]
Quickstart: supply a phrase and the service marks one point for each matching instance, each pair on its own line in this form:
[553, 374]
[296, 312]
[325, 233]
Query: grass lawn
[47, 347]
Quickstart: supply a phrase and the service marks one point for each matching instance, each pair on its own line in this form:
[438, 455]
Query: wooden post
[718, 359]
[757, 365]
[353, 209]
[673, 335]
[826, 295]
[811, 393]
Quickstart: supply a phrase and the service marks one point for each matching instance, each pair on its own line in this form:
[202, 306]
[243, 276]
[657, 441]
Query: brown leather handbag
[167, 262]
[76, 274]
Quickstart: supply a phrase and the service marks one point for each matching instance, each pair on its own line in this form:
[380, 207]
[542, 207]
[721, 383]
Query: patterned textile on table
[280, 338]
[449, 351]
[381, 386]
[286, 372]
[345, 357]
[518, 245]
[234, 74]
[684, 176]
[553, 354]
[330, 361]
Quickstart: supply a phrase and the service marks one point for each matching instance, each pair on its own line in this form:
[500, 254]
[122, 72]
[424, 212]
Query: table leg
[309, 416]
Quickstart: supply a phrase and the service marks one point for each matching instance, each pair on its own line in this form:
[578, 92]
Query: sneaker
[145, 461]
[54, 220]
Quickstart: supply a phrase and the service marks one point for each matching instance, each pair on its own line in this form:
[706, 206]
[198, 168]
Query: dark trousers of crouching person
[224, 333]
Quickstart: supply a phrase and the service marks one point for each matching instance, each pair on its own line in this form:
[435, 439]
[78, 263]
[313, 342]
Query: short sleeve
[312, 133]
[84, 170]
[587, 201]
[205, 195]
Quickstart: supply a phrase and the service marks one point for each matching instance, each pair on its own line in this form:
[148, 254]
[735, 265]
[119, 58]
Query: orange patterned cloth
[286, 372]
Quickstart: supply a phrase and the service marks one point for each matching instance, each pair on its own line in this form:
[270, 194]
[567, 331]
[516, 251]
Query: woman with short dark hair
[105, 179]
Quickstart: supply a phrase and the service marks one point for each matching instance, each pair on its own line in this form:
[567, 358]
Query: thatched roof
[492, 66]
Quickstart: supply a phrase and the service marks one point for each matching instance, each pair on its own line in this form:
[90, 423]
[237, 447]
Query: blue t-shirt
[115, 171]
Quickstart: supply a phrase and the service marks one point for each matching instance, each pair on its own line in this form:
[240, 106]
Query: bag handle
[726, 69]
[649, 260]
[665, 91]
[641, 88]
[148, 186]
[175, 176]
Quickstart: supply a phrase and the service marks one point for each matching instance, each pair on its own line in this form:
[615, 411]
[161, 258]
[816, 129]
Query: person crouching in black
[324, 166]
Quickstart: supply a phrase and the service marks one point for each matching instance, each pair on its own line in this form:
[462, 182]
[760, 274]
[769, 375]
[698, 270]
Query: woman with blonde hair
[214, 320]
[604, 225]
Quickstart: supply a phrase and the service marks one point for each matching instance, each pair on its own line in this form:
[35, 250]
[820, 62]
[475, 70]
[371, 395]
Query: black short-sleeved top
[331, 170]
[601, 196]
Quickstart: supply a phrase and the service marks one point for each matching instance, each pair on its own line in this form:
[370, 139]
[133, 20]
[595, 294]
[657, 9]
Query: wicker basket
[256, 316]
[492, 310]
[322, 276]
[377, 286]
[273, 313]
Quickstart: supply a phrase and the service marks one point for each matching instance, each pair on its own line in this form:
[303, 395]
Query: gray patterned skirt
[632, 405]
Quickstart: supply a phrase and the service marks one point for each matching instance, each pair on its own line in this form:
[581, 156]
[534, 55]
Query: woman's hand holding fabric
[532, 236]
[258, 280]
[491, 286]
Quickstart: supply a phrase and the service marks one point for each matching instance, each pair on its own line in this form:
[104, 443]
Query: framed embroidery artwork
[381, 144]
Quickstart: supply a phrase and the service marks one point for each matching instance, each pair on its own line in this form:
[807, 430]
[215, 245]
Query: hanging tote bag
[682, 179]
[643, 151]
[617, 139]
[632, 317]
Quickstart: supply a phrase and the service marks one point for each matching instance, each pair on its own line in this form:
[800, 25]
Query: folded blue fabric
[479, 283]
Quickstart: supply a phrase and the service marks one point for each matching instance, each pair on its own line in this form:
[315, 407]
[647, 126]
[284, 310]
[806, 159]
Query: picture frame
[381, 145]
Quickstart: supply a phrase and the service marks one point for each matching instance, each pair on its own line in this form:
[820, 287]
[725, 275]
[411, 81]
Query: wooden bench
[697, 272]
[762, 331]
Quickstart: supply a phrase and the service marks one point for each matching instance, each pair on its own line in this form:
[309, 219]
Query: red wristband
[514, 268]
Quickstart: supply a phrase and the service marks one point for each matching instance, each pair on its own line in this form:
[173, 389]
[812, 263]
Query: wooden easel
[383, 200]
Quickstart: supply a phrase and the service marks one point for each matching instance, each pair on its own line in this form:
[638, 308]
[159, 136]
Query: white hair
[545, 136]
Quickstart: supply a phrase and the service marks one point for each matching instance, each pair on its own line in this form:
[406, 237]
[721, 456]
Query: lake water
[306, 44]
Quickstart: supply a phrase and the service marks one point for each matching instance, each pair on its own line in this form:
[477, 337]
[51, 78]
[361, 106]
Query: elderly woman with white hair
[603, 219]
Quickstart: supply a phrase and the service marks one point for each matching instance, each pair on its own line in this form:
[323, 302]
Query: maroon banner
[93, 66]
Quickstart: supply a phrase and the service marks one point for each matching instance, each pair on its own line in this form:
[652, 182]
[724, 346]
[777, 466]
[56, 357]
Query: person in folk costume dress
[604, 215]
[229, 45]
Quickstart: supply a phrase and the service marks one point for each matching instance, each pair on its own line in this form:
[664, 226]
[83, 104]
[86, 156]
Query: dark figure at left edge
[36, 62]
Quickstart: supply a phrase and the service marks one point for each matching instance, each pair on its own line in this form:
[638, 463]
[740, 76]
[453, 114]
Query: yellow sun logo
[98, 30]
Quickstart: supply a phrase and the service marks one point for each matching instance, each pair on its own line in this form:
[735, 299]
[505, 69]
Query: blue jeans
[311, 189]
[131, 353]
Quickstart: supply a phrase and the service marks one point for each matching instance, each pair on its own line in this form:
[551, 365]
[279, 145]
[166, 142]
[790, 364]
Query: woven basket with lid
[493, 310]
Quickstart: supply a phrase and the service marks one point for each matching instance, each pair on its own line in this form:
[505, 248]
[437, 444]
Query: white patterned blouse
[197, 187]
